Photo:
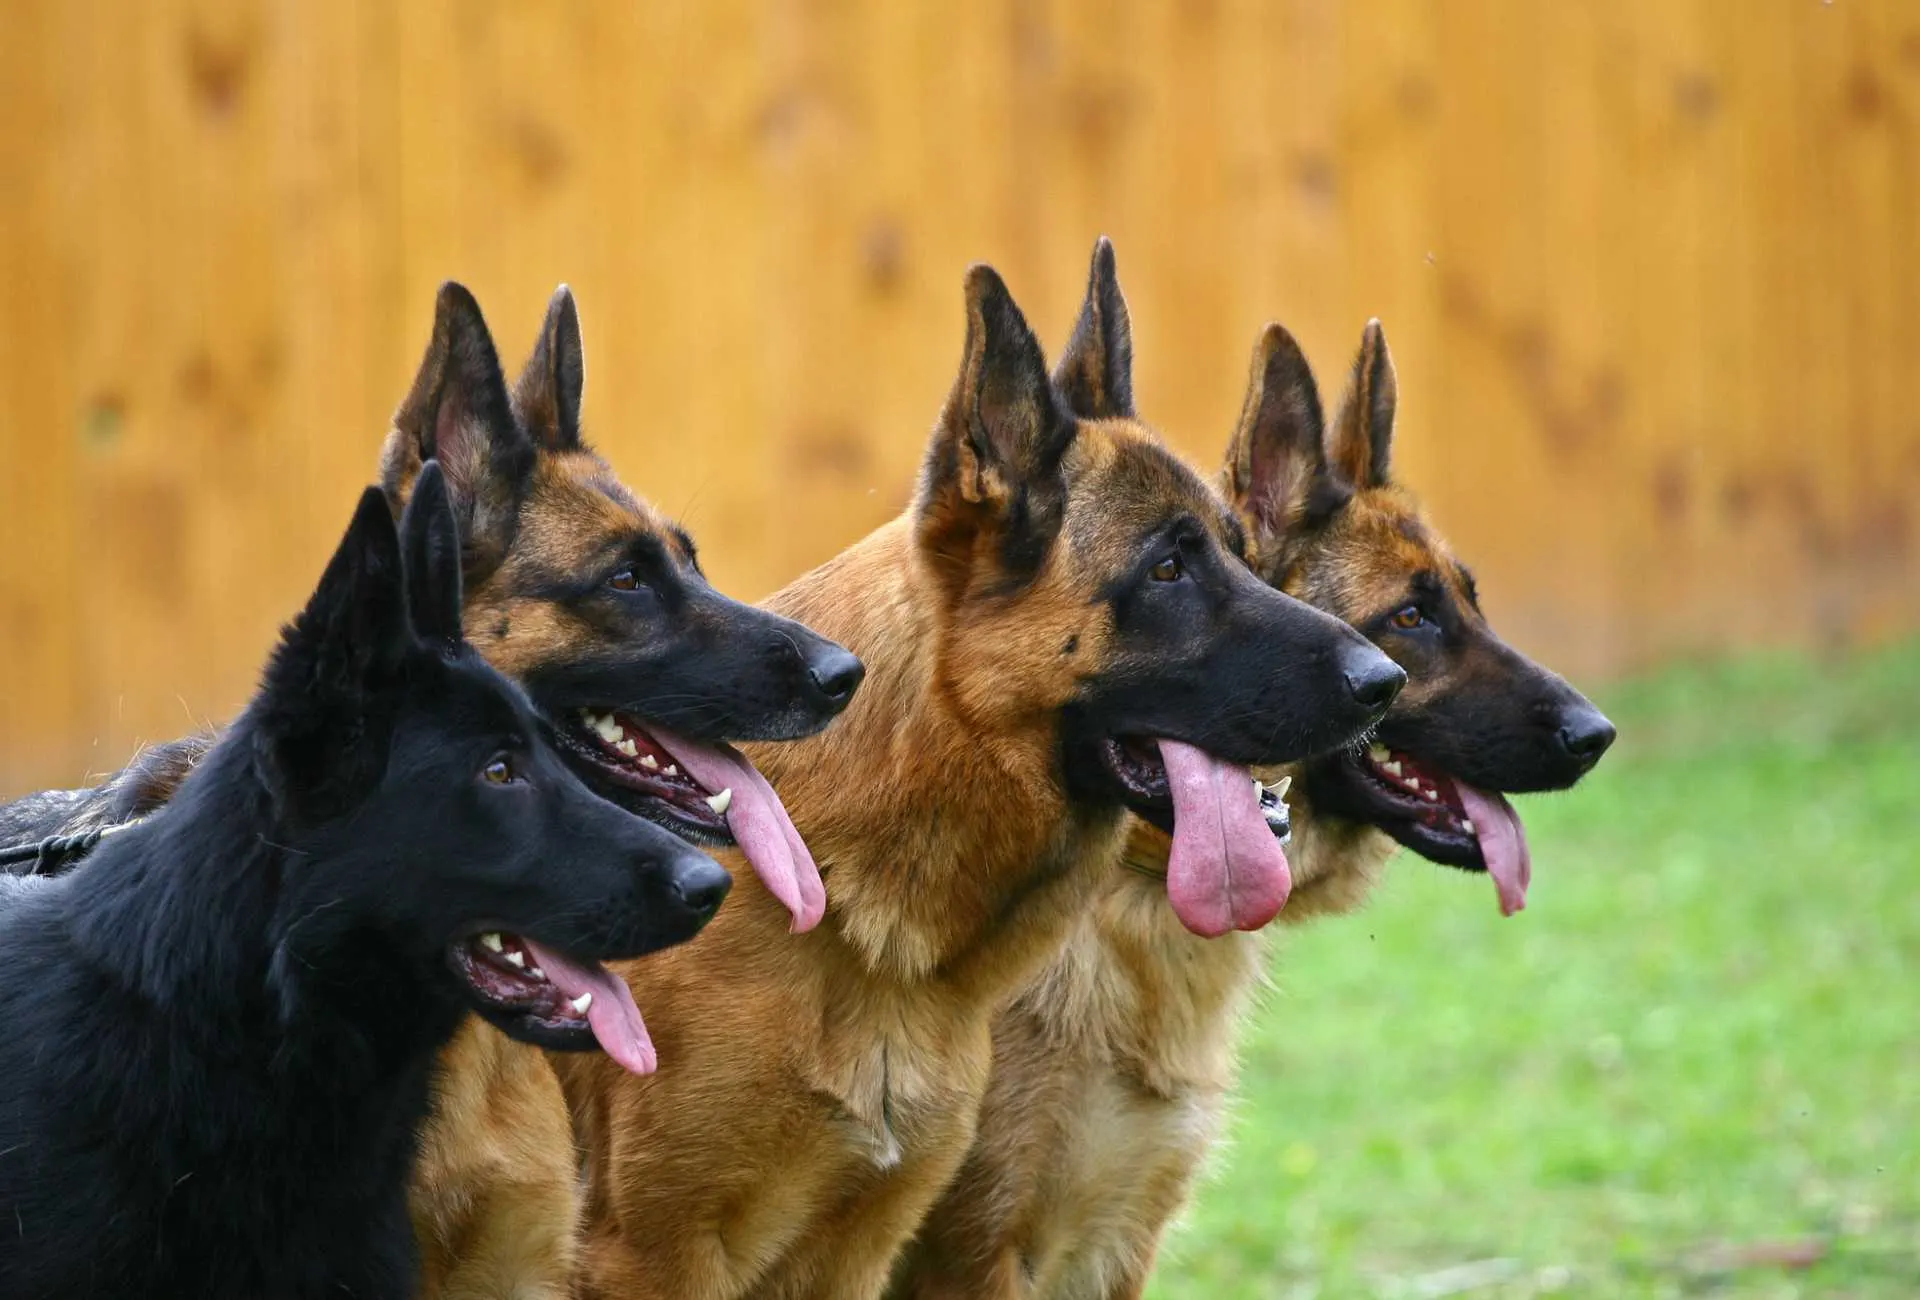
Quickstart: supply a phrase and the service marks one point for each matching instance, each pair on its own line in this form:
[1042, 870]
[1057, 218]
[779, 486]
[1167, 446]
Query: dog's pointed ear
[546, 397]
[459, 414]
[330, 685]
[1362, 440]
[1276, 475]
[995, 462]
[1095, 373]
[430, 543]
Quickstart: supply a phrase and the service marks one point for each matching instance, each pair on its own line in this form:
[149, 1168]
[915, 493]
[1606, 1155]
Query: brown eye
[624, 581]
[1407, 619]
[500, 770]
[1168, 570]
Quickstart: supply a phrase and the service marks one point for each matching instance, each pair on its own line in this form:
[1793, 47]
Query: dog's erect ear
[994, 465]
[1276, 475]
[430, 541]
[1095, 374]
[332, 681]
[459, 414]
[546, 397]
[1362, 438]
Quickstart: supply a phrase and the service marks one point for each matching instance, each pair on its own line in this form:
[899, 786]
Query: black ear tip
[1278, 347]
[432, 483]
[372, 516]
[984, 286]
[454, 299]
[1104, 267]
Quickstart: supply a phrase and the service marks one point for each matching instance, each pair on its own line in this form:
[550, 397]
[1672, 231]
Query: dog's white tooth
[649, 762]
[1431, 796]
[721, 802]
[628, 748]
[1390, 768]
[1286, 784]
[607, 729]
[1378, 753]
[491, 941]
[582, 1002]
[517, 958]
[670, 770]
[1467, 826]
[535, 973]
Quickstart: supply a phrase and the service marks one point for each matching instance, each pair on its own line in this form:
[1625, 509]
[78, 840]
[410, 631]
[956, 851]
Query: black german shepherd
[221, 1026]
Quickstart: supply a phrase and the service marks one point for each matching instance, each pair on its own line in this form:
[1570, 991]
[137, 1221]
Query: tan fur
[1113, 1071]
[495, 1197]
[816, 1092]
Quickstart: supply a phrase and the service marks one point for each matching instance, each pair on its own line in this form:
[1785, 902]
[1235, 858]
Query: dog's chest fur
[1112, 1077]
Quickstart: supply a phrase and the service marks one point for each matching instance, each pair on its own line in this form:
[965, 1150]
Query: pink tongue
[614, 1018]
[1227, 872]
[759, 823]
[1503, 843]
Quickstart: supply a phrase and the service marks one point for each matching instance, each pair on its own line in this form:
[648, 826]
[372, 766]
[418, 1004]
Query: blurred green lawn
[1700, 1043]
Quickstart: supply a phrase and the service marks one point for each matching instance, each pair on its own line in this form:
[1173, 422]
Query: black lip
[533, 1031]
[1142, 788]
[1138, 782]
[1340, 785]
[528, 1024]
[617, 785]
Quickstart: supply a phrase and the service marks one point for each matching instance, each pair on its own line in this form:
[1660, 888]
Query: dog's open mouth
[617, 751]
[1443, 818]
[542, 996]
[1226, 869]
[1425, 795]
[705, 792]
[1137, 767]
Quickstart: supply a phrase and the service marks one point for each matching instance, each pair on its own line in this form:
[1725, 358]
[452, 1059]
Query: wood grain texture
[1648, 270]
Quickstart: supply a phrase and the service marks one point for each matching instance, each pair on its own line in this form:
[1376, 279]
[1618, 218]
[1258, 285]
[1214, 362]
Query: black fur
[221, 1026]
[1095, 372]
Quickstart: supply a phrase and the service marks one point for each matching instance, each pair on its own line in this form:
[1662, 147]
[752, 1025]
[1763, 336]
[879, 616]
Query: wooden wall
[1649, 268]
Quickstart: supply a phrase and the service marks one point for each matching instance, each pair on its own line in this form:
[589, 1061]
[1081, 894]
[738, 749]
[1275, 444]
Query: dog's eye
[499, 770]
[1407, 619]
[1168, 570]
[625, 580]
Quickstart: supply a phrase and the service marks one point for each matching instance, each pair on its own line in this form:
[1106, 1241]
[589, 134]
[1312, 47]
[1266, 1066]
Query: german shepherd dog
[221, 1028]
[1111, 1072]
[1059, 629]
[640, 671]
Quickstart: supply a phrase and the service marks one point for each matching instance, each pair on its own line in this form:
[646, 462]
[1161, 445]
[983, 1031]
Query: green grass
[1702, 1038]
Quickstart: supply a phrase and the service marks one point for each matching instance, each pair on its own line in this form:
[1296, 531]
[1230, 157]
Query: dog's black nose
[1374, 682]
[702, 885]
[1585, 734]
[836, 674]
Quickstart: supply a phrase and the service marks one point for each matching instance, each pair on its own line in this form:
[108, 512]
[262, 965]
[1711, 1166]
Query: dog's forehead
[576, 505]
[1127, 483]
[1386, 541]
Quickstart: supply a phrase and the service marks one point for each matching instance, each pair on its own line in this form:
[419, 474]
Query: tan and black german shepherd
[1111, 1072]
[1059, 629]
[641, 671]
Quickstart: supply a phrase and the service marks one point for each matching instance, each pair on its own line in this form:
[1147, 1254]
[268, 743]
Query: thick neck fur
[203, 914]
[1174, 989]
[949, 849]
[201, 960]
[212, 1043]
